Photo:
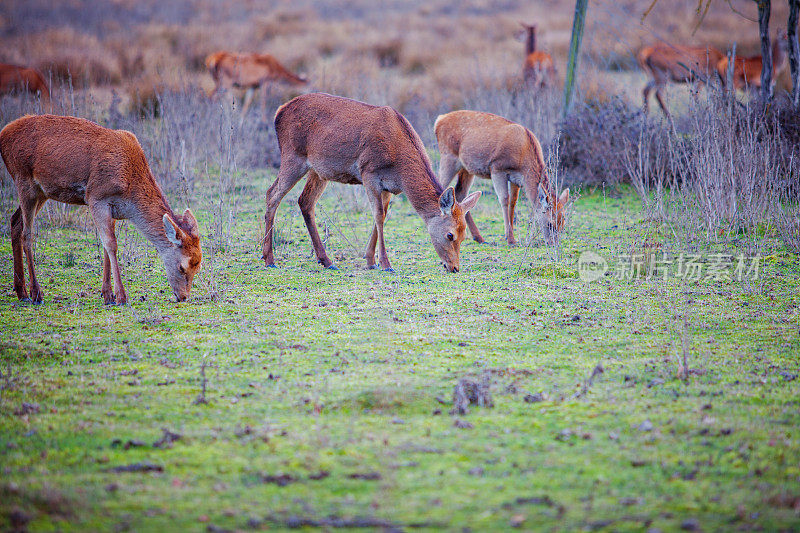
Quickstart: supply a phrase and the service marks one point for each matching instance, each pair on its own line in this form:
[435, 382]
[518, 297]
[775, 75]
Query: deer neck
[530, 46]
[423, 193]
[147, 214]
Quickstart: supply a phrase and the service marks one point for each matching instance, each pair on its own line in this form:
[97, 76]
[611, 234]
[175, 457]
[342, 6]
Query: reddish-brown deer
[14, 78]
[473, 143]
[248, 71]
[680, 64]
[338, 139]
[78, 162]
[539, 69]
[747, 70]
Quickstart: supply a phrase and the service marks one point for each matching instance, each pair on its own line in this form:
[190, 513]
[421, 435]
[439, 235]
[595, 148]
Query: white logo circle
[591, 266]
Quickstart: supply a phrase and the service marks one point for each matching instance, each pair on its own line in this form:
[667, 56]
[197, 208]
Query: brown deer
[747, 70]
[538, 70]
[680, 64]
[248, 71]
[338, 139]
[473, 143]
[14, 78]
[78, 162]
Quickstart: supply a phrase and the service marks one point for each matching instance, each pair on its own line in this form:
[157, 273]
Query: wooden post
[766, 49]
[574, 49]
[794, 50]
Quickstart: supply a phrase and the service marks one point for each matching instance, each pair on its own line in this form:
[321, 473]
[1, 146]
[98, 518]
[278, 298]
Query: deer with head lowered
[680, 64]
[473, 143]
[337, 139]
[15, 78]
[250, 72]
[78, 162]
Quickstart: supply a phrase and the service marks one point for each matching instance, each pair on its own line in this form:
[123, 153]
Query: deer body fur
[76, 161]
[337, 139]
[473, 143]
[665, 63]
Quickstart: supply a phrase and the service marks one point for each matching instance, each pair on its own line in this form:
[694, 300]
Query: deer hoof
[389, 269]
[332, 267]
[372, 267]
[271, 265]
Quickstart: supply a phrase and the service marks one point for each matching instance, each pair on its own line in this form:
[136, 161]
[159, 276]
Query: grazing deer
[473, 143]
[248, 71]
[747, 70]
[338, 139]
[538, 70]
[680, 64]
[78, 162]
[15, 78]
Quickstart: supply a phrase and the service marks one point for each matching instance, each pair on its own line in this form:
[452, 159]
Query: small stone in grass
[645, 426]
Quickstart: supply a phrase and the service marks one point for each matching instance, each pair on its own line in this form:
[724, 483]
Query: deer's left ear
[447, 200]
[194, 228]
[564, 197]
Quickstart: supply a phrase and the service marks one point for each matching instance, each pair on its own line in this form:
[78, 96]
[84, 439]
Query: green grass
[312, 371]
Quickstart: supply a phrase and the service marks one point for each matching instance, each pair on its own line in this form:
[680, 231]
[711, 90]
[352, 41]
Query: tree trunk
[794, 50]
[766, 49]
[574, 49]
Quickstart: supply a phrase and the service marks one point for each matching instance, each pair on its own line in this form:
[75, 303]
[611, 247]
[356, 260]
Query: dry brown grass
[426, 53]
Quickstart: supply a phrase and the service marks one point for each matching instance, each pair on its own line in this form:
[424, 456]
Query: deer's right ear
[173, 232]
[447, 200]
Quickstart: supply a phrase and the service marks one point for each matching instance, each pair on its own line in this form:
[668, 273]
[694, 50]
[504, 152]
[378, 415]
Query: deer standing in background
[250, 72]
[78, 162]
[747, 70]
[680, 64]
[15, 78]
[538, 70]
[473, 143]
[331, 138]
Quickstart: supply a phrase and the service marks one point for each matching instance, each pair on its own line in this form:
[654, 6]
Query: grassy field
[327, 394]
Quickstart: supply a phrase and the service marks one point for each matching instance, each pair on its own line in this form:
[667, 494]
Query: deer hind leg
[500, 183]
[101, 213]
[30, 206]
[293, 168]
[512, 204]
[16, 247]
[308, 200]
[462, 189]
[369, 254]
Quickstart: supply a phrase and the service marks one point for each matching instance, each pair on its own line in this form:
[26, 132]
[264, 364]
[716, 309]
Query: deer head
[182, 259]
[448, 228]
[551, 214]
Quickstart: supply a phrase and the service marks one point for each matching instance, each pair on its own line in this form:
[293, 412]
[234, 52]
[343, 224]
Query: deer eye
[450, 237]
[182, 270]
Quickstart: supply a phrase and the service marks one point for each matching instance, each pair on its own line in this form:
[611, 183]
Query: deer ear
[447, 200]
[470, 201]
[544, 200]
[173, 232]
[564, 197]
[194, 228]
